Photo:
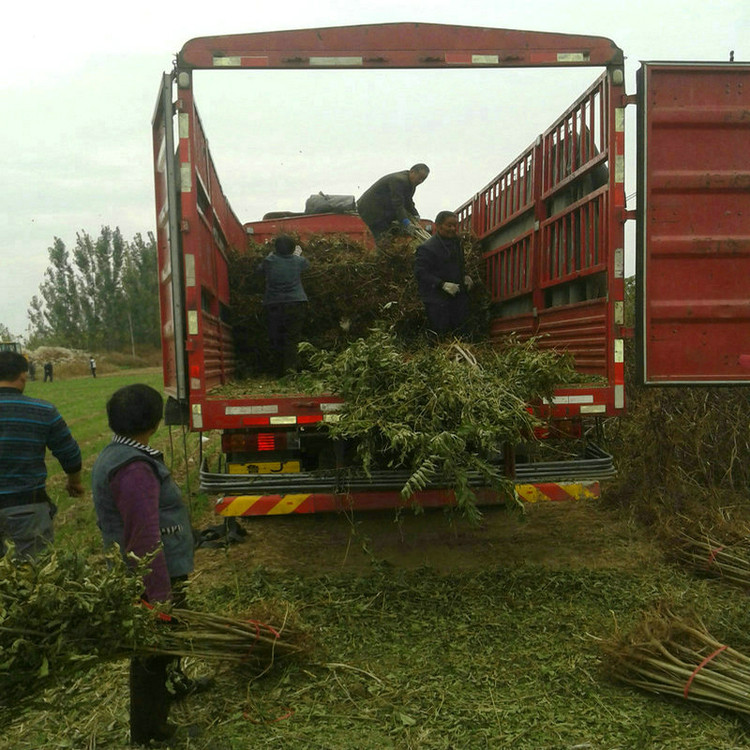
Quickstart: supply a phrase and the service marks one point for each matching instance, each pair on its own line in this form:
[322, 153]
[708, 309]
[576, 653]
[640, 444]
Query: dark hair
[12, 364]
[134, 409]
[284, 244]
[420, 168]
[443, 215]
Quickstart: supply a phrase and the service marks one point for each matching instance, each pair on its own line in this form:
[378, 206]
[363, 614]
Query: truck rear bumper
[264, 494]
[320, 502]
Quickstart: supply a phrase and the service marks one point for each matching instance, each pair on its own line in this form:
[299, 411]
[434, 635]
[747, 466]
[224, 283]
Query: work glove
[408, 227]
[298, 250]
[468, 282]
[450, 288]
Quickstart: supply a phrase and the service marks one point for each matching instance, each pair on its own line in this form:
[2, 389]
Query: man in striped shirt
[28, 426]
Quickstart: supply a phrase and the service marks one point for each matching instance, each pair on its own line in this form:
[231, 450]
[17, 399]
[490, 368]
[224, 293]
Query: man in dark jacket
[28, 426]
[389, 203]
[441, 279]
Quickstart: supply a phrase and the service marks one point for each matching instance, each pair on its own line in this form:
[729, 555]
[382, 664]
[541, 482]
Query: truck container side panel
[574, 244]
[509, 269]
[524, 326]
[165, 185]
[552, 229]
[581, 330]
[508, 196]
[209, 228]
[694, 244]
[398, 45]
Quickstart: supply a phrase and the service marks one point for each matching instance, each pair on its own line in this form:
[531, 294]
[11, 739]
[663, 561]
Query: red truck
[551, 226]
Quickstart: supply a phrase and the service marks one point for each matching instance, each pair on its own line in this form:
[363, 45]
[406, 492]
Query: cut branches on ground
[64, 614]
[444, 413]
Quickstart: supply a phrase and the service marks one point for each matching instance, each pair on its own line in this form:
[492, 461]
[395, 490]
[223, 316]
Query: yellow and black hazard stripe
[275, 505]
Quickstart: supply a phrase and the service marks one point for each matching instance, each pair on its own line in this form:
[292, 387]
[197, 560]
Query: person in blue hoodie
[285, 302]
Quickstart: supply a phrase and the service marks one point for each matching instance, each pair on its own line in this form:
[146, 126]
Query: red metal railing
[574, 243]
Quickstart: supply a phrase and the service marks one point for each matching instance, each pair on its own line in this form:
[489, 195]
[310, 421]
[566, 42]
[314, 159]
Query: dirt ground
[575, 534]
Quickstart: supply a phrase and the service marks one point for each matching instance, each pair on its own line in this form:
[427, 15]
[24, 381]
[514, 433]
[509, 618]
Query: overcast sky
[79, 80]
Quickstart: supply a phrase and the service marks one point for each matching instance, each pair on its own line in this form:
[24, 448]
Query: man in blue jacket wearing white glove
[441, 279]
[388, 205]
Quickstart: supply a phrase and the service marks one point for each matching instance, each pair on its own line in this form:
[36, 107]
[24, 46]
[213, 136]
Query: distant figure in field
[92, 366]
[48, 372]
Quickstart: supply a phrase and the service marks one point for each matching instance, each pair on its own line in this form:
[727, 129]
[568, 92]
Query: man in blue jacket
[28, 426]
[285, 302]
[441, 279]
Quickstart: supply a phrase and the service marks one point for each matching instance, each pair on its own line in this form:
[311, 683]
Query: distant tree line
[100, 296]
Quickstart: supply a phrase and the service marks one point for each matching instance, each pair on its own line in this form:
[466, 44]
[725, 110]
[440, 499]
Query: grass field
[427, 635]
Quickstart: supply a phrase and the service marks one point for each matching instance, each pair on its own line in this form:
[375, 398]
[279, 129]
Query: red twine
[258, 624]
[287, 715]
[712, 556]
[161, 615]
[699, 667]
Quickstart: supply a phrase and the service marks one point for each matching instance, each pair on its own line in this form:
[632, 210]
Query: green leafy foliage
[350, 289]
[444, 413]
[62, 613]
[65, 613]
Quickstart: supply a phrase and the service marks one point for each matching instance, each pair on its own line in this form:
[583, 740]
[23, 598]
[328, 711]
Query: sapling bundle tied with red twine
[63, 614]
[674, 656]
[706, 555]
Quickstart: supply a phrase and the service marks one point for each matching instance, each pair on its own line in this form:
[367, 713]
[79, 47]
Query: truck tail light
[266, 441]
[252, 442]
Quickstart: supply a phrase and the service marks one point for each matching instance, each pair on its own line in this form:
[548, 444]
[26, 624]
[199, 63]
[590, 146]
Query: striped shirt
[28, 426]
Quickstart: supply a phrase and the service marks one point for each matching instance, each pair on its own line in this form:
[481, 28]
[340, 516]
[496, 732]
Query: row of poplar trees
[100, 296]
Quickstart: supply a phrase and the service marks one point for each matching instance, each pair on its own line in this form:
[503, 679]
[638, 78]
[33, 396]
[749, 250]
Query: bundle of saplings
[443, 413]
[678, 656]
[728, 559]
[63, 614]
[350, 288]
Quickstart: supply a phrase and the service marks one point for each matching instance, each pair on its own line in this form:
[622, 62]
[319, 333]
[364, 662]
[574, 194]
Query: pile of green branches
[669, 655]
[64, 614]
[350, 288]
[443, 413]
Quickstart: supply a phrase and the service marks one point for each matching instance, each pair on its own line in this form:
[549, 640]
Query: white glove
[450, 288]
[298, 250]
[468, 282]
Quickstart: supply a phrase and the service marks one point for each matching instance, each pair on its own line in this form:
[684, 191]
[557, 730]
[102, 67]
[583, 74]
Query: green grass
[503, 658]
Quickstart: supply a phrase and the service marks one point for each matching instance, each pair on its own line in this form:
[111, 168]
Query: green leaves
[102, 295]
[444, 413]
